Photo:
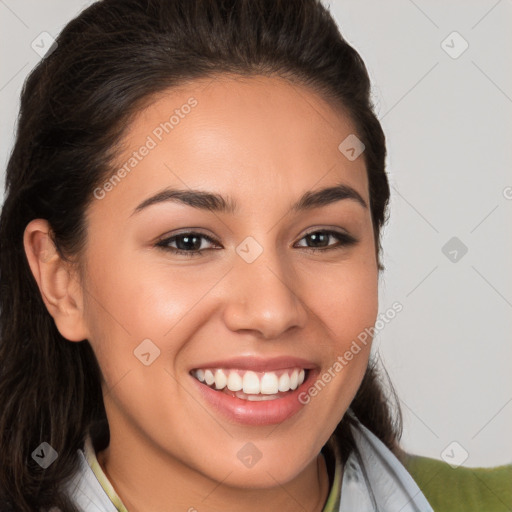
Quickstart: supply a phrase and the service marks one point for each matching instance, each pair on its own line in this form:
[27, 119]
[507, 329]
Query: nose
[264, 297]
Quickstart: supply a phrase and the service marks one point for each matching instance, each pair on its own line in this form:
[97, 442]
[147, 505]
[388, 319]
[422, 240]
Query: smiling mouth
[250, 385]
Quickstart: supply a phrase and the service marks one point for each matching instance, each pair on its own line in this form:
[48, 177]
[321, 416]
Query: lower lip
[266, 412]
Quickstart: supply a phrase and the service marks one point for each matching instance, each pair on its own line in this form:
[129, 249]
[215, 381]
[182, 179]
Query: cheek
[345, 298]
[129, 302]
[346, 303]
[137, 299]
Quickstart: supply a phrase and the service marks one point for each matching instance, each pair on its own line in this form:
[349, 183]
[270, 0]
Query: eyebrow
[217, 203]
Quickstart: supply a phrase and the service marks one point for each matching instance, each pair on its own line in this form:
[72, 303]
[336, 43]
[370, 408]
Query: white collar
[374, 480]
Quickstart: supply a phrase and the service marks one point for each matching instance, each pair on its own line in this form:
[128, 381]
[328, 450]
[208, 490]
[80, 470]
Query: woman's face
[248, 299]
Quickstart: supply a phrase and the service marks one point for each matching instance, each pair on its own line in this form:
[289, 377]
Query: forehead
[243, 136]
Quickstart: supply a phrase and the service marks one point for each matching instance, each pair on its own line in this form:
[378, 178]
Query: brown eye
[319, 240]
[188, 244]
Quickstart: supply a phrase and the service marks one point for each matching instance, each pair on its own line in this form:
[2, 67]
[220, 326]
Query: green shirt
[462, 489]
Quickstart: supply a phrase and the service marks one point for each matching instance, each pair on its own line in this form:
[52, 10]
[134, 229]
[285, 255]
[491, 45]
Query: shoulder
[470, 489]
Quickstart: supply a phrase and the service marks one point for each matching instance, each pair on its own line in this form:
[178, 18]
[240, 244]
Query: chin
[258, 473]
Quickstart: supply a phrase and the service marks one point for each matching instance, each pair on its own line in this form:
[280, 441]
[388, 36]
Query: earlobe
[59, 287]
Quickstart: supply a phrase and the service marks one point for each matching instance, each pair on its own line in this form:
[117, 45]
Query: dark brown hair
[115, 56]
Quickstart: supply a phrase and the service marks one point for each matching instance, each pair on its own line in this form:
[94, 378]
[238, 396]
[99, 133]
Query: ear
[60, 288]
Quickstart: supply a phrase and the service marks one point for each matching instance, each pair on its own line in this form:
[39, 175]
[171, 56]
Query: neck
[172, 485]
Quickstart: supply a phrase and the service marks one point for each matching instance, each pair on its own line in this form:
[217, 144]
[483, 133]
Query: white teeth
[258, 385]
[255, 398]
[234, 381]
[269, 384]
[251, 383]
[220, 379]
[208, 377]
[260, 398]
[284, 382]
[294, 379]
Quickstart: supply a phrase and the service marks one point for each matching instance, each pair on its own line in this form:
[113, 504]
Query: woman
[189, 262]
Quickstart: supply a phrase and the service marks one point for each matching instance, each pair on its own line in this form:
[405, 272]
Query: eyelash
[344, 240]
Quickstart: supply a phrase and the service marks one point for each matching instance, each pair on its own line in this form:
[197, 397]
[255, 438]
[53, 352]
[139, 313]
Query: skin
[264, 142]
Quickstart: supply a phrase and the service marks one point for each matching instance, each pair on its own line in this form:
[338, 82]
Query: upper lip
[259, 364]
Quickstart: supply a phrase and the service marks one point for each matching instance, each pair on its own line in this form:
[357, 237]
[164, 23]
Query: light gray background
[448, 123]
